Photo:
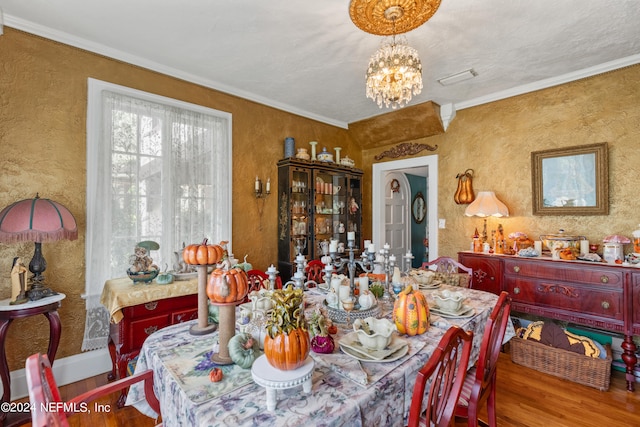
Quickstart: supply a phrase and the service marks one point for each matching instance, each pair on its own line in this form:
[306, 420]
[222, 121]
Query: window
[157, 169]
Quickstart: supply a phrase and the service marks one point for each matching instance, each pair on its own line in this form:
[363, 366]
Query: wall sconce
[486, 204]
[258, 188]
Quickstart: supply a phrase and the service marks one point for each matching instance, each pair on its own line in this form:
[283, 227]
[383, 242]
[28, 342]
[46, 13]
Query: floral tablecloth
[345, 391]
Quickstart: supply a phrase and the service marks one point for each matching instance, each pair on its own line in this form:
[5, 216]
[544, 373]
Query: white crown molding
[550, 82]
[70, 40]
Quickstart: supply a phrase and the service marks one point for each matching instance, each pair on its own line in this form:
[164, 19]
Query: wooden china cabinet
[598, 295]
[317, 202]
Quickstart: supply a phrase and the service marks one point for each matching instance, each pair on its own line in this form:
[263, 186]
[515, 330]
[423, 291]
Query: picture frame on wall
[418, 208]
[571, 180]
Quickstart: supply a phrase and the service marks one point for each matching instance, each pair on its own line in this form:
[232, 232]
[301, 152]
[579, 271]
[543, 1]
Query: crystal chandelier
[394, 74]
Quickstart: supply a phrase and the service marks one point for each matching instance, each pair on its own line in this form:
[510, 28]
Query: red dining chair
[447, 265]
[315, 271]
[480, 382]
[47, 408]
[258, 279]
[445, 368]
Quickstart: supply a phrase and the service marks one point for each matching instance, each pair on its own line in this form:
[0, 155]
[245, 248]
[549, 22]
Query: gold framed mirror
[571, 180]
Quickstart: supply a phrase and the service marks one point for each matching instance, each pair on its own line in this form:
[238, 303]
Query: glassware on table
[347, 305]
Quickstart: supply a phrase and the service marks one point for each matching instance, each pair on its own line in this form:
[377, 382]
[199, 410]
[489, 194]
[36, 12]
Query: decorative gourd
[227, 286]
[244, 265]
[215, 375]
[411, 312]
[243, 350]
[464, 193]
[321, 341]
[287, 344]
[203, 254]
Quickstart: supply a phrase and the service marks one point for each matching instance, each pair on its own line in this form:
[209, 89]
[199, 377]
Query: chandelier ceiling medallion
[394, 74]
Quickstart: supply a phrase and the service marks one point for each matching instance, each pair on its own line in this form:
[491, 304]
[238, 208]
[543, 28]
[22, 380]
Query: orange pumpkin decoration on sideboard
[227, 286]
[203, 254]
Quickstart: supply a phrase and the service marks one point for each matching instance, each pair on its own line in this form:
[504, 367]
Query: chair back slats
[315, 271]
[446, 369]
[447, 265]
[47, 407]
[492, 340]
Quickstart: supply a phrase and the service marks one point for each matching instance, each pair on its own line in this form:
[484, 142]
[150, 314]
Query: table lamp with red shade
[37, 220]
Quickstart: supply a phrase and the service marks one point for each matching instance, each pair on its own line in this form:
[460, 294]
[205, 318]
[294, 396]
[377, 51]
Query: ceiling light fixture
[458, 77]
[394, 74]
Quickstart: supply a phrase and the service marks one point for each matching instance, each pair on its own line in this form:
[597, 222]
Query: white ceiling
[307, 57]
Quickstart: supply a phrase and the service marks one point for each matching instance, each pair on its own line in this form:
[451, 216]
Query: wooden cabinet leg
[630, 360]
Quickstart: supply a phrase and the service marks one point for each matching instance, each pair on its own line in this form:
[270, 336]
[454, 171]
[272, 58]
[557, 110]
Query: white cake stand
[274, 379]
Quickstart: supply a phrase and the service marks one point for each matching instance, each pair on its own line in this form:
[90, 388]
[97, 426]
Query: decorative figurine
[353, 206]
[18, 282]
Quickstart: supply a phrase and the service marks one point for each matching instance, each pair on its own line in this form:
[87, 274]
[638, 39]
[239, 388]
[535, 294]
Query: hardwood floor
[526, 398]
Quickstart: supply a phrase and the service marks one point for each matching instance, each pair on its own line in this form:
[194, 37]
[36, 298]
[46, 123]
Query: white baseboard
[66, 370]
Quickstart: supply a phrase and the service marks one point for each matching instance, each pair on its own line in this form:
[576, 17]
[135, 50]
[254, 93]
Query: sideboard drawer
[184, 315]
[141, 329]
[564, 272]
[589, 300]
[147, 309]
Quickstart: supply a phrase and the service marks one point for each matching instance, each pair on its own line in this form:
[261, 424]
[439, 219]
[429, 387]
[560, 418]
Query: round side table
[47, 306]
[274, 379]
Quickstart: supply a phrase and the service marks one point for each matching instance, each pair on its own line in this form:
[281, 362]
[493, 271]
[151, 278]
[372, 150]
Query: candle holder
[336, 264]
[258, 190]
[313, 149]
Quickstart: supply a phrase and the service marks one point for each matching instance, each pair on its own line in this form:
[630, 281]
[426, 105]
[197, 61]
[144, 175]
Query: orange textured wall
[43, 96]
[496, 141]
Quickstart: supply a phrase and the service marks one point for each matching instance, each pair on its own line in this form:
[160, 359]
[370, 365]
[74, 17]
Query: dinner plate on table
[430, 286]
[464, 312]
[350, 345]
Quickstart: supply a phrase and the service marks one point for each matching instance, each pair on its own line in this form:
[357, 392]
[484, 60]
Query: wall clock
[418, 208]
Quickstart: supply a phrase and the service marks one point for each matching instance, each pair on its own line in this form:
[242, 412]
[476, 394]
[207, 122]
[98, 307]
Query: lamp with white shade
[486, 204]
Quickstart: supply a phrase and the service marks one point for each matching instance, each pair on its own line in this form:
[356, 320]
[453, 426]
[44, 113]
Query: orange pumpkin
[215, 375]
[411, 312]
[227, 286]
[203, 254]
[287, 351]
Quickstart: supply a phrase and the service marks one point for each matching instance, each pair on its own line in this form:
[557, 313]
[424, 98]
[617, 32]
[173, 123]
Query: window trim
[94, 119]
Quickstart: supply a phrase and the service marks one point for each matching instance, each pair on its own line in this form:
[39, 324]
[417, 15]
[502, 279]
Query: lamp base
[38, 291]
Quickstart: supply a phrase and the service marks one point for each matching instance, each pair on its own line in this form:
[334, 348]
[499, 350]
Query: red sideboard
[137, 311]
[598, 295]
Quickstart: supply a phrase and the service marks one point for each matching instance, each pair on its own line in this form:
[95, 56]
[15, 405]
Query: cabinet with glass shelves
[317, 202]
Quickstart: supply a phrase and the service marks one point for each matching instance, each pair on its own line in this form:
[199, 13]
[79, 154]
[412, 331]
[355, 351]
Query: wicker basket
[590, 371]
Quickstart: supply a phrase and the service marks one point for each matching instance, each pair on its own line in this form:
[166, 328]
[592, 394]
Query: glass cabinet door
[317, 203]
[299, 212]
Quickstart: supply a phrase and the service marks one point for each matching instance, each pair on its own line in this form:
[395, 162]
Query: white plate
[185, 276]
[399, 348]
[465, 312]
[431, 286]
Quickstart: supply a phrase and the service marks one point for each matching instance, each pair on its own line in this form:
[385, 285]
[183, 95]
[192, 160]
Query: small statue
[140, 261]
[18, 282]
[353, 206]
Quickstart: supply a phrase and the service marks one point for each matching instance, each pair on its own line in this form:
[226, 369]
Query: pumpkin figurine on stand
[287, 343]
[226, 288]
[202, 256]
[411, 312]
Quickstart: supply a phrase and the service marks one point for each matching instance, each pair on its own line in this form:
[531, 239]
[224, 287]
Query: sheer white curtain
[157, 169]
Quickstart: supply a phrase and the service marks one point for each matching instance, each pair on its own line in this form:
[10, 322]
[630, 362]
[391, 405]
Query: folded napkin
[363, 373]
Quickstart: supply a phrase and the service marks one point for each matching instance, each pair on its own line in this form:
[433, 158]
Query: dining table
[346, 390]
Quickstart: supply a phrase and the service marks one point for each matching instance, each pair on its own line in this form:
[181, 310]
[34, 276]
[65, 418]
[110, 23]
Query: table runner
[190, 364]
